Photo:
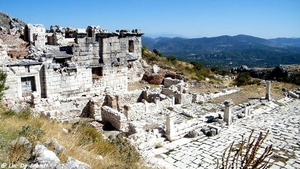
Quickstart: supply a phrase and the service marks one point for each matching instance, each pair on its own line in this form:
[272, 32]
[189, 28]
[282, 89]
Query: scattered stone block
[192, 134]
[117, 119]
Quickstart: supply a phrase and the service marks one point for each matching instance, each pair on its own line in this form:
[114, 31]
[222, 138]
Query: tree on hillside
[198, 66]
[2, 83]
[172, 59]
[157, 52]
[243, 79]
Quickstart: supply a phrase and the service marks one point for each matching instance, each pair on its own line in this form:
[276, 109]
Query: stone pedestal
[170, 127]
[268, 91]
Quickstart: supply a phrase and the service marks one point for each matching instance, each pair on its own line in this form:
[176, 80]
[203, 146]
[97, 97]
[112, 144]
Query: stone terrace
[281, 118]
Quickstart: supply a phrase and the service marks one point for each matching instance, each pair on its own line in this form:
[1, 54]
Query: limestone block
[197, 98]
[168, 92]
[117, 119]
[293, 95]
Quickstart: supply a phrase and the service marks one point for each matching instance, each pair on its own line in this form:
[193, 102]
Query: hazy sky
[189, 18]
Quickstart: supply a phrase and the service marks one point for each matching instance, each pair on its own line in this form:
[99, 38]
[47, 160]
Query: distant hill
[229, 50]
[287, 41]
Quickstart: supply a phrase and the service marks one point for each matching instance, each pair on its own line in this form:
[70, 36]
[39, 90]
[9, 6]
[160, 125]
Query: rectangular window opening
[28, 85]
[131, 46]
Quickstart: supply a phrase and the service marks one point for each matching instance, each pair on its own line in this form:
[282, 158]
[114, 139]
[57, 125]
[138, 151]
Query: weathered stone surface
[153, 78]
[55, 146]
[192, 134]
[43, 156]
[117, 119]
[74, 164]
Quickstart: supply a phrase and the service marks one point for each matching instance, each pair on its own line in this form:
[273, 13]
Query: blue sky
[188, 18]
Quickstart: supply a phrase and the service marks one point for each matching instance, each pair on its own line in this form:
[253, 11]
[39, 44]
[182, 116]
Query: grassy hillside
[82, 142]
[191, 70]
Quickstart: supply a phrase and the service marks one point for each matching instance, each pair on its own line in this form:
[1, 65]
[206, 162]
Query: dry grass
[247, 92]
[245, 155]
[83, 142]
[256, 91]
[134, 86]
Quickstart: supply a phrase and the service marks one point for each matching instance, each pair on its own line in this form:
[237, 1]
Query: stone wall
[67, 82]
[16, 80]
[168, 82]
[35, 34]
[117, 119]
[88, 52]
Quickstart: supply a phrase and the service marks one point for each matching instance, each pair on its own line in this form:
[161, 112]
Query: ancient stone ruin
[71, 74]
[69, 62]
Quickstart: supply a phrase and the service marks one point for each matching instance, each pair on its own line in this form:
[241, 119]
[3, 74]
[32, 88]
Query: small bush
[32, 133]
[127, 152]
[2, 83]
[25, 114]
[9, 113]
[157, 53]
[172, 59]
[89, 135]
[243, 79]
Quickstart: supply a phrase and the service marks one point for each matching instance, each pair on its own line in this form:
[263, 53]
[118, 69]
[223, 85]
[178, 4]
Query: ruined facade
[35, 34]
[80, 62]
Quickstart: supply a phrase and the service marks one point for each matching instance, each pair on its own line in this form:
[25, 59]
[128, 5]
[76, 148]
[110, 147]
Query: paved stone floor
[283, 123]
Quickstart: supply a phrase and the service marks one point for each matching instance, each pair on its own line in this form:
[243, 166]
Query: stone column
[157, 102]
[170, 127]
[126, 110]
[268, 91]
[227, 113]
[173, 101]
[146, 105]
[246, 111]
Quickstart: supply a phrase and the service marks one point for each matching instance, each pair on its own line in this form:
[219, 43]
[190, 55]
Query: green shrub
[89, 135]
[9, 113]
[157, 53]
[127, 152]
[2, 83]
[243, 79]
[172, 59]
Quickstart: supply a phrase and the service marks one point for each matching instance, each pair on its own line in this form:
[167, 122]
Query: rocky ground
[280, 116]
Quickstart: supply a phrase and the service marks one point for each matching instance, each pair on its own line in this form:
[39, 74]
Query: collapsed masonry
[73, 62]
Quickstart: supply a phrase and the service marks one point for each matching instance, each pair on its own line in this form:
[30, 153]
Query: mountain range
[229, 50]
